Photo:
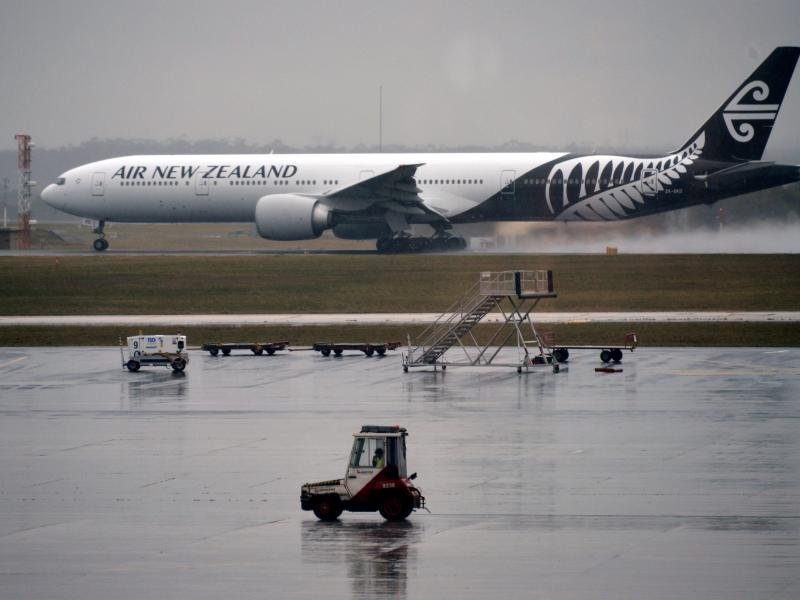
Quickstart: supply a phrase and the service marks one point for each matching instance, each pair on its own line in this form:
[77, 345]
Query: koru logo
[738, 116]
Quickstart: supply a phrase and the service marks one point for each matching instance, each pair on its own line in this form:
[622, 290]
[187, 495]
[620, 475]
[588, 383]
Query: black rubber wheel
[258, 351]
[405, 368]
[462, 243]
[326, 352]
[270, 351]
[100, 244]
[538, 360]
[381, 351]
[133, 365]
[337, 351]
[561, 354]
[394, 507]
[178, 365]
[616, 355]
[453, 243]
[226, 351]
[369, 351]
[214, 351]
[398, 245]
[605, 356]
[328, 508]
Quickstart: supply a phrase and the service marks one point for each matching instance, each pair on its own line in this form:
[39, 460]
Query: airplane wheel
[394, 507]
[328, 508]
[452, 243]
[133, 365]
[616, 355]
[605, 356]
[100, 244]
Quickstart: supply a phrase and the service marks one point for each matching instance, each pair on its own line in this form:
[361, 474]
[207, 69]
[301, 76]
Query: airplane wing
[395, 190]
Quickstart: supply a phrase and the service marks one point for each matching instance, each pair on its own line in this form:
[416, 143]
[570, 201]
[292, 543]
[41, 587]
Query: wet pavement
[677, 478]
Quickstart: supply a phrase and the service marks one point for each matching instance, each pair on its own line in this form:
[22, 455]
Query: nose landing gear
[100, 243]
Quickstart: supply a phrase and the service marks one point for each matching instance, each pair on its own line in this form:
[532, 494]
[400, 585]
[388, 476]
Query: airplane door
[200, 185]
[98, 184]
[648, 184]
[507, 180]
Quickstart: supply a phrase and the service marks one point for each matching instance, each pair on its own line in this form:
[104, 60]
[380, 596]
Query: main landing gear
[100, 243]
[407, 243]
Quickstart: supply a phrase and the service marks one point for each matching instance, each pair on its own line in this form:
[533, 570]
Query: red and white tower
[24, 146]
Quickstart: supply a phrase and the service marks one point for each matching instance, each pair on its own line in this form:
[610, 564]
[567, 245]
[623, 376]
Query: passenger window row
[453, 181]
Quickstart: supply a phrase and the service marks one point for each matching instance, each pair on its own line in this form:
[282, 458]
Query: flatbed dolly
[608, 353]
[257, 348]
[367, 348]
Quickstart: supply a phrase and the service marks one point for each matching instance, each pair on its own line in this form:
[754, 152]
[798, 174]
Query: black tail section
[739, 130]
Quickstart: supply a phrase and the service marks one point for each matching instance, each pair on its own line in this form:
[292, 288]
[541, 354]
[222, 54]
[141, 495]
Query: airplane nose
[48, 192]
[53, 196]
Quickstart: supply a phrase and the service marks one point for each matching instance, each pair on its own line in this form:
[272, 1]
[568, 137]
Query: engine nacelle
[291, 217]
[362, 231]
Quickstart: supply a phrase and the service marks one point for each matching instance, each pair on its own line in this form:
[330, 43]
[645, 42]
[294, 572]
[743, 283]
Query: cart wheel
[214, 351]
[394, 507]
[381, 351]
[369, 351]
[178, 365]
[328, 508]
[226, 351]
[444, 367]
[326, 351]
[405, 368]
[258, 351]
[337, 352]
[561, 354]
[270, 351]
[133, 365]
[616, 355]
[519, 369]
[605, 356]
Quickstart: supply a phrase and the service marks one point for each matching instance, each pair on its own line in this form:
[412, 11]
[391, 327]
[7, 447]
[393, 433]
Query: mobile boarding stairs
[512, 294]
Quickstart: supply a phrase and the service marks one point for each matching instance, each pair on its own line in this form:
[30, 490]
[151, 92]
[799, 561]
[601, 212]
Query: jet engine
[291, 217]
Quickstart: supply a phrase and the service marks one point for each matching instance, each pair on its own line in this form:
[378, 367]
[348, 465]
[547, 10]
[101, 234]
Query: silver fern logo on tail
[608, 188]
[739, 112]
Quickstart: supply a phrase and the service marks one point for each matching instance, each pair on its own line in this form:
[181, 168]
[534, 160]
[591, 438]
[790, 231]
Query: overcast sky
[642, 74]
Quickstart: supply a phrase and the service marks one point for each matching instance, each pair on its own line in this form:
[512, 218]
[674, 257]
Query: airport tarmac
[305, 319]
[676, 478]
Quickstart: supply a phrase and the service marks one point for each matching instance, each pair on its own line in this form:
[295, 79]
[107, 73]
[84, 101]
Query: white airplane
[379, 196]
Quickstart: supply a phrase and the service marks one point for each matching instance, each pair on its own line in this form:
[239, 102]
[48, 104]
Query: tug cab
[376, 479]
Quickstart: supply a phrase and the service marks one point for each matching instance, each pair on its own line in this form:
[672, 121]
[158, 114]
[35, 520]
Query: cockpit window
[61, 181]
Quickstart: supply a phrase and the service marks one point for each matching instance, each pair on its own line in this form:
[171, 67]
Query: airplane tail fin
[740, 128]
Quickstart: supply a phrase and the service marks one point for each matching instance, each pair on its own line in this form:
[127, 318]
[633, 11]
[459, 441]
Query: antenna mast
[24, 146]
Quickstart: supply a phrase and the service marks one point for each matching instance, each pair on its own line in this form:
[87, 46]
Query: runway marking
[11, 362]
[743, 370]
